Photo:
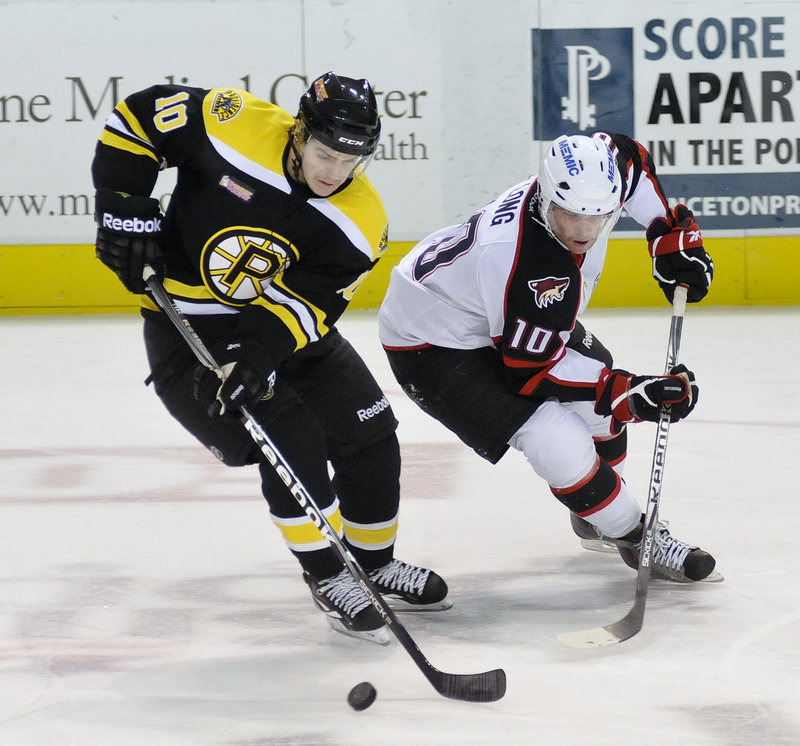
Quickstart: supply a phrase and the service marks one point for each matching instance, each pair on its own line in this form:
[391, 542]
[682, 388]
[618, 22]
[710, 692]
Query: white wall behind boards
[714, 88]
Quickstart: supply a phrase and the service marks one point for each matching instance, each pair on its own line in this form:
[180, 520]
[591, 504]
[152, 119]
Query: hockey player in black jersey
[270, 229]
[480, 324]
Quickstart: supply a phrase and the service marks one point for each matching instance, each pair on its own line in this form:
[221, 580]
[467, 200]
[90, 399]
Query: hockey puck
[362, 696]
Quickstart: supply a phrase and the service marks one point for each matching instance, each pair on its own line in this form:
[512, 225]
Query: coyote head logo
[548, 290]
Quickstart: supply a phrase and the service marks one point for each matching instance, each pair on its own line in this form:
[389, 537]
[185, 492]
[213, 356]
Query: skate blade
[404, 607]
[378, 636]
[598, 545]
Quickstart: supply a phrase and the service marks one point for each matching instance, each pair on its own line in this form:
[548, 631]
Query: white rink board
[456, 84]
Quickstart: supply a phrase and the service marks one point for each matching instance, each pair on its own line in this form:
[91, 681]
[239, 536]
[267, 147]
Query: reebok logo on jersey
[375, 409]
[131, 225]
[549, 290]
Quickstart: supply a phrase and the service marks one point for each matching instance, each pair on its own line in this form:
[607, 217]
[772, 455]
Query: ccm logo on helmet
[131, 225]
[347, 141]
[569, 158]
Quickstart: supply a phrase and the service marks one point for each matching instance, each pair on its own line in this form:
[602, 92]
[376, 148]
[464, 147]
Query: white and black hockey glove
[248, 377]
[128, 229]
[629, 398]
[679, 258]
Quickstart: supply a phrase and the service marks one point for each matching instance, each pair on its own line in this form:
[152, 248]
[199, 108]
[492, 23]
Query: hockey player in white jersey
[480, 325]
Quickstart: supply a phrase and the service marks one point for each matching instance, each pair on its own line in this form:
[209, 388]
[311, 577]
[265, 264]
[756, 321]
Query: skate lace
[343, 591]
[400, 576]
[669, 551]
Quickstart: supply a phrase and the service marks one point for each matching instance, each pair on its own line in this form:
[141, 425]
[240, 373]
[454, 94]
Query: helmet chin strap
[295, 163]
[539, 216]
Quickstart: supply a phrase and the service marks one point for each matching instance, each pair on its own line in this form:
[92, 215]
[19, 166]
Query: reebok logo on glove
[131, 225]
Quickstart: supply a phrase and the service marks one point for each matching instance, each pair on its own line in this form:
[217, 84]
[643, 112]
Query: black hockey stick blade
[488, 686]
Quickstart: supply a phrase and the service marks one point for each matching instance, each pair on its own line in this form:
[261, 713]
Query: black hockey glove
[128, 229]
[678, 255]
[630, 398]
[240, 383]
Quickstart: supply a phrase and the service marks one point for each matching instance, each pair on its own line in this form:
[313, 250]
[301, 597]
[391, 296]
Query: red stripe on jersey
[422, 346]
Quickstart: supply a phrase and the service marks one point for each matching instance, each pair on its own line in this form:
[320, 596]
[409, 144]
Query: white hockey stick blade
[624, 629]
[596, 637]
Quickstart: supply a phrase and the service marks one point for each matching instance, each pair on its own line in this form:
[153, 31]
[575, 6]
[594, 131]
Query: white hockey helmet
[580, 174]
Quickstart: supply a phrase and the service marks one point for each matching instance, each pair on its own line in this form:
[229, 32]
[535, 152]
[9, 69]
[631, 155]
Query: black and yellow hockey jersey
[248, 251]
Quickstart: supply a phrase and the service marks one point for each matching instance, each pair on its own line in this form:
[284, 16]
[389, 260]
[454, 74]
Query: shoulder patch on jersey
[548, 290]
[237, 188]
[226, 104]
[248, 133]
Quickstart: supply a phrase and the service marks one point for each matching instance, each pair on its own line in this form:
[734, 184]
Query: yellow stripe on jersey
[130, 119]
[180, 291]
[317, 328]
[191, 292]
[362, 205]
[302, 535]
[371, 535]
[114, 140]
[288, 319]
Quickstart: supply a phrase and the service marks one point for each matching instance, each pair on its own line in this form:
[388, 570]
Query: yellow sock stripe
[371, 535]
[301, 535]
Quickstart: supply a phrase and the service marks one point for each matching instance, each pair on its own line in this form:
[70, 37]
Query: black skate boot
[347, 607]
[410, 588]
[670, 559]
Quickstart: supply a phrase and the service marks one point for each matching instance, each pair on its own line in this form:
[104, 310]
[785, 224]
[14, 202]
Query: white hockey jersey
[500, 279]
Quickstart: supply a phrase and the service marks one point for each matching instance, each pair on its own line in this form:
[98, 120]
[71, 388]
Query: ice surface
[147, 600]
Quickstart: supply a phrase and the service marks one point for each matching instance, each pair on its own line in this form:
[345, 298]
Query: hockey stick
[488, 686]
[632, 622]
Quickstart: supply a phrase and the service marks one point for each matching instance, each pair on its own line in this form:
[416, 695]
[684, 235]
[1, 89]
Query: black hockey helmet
[342, 114]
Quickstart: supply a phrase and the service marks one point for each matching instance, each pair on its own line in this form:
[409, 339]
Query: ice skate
[410, 588]
[670, 559]
[347, 607]
[590, 537]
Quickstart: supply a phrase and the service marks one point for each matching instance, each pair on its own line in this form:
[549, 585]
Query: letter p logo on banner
[590, 71]
[583, 64]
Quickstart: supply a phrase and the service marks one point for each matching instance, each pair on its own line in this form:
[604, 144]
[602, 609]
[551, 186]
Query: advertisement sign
[711, 90]
[468, 98]
[65, 65]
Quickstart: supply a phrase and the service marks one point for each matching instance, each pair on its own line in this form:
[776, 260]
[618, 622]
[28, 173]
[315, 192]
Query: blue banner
[733, 201]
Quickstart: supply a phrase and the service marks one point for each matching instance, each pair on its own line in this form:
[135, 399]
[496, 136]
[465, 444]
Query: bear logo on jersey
[238, 263]
[226, 104]
[548, 290]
